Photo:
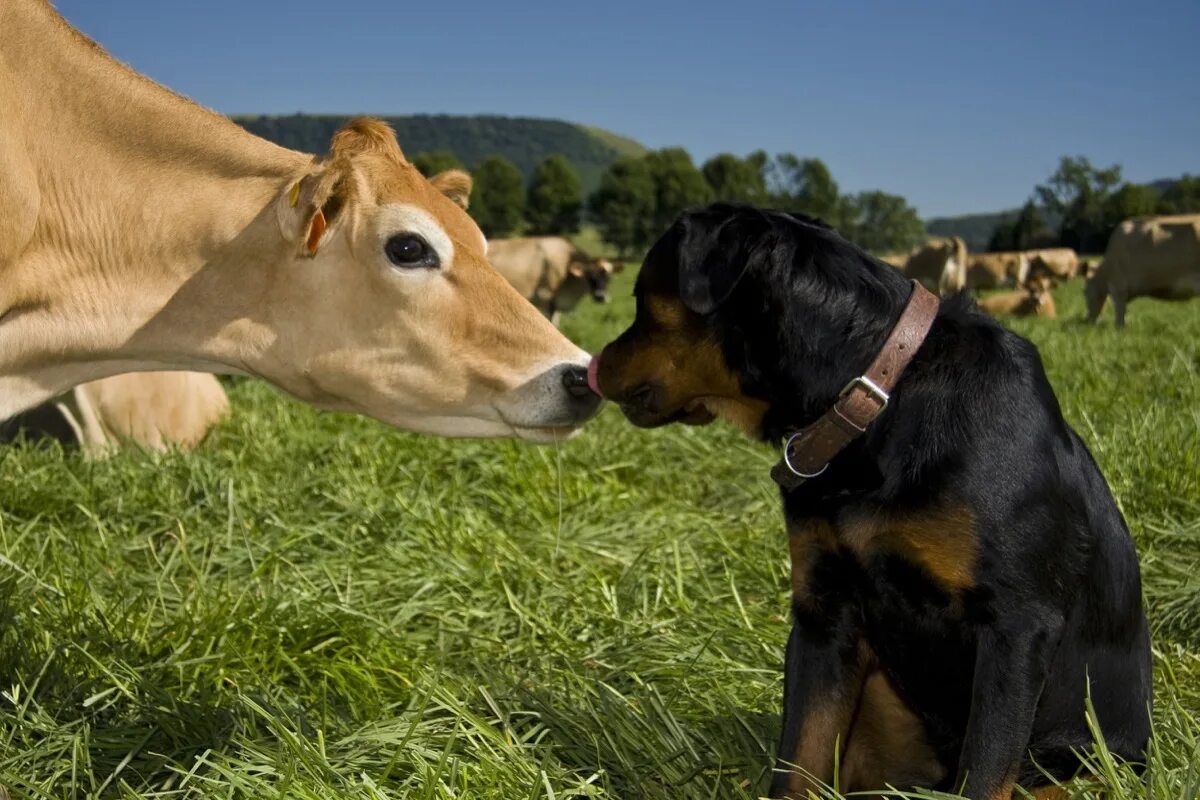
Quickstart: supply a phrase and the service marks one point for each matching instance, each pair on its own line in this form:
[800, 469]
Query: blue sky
[959, 106]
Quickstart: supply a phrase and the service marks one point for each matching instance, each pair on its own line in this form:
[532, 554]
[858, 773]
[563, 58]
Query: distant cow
[551, 273]
[1147, 257]
[1033, 299]
[941, 265]
[152, 409]
[996, 270]
[1056, 263]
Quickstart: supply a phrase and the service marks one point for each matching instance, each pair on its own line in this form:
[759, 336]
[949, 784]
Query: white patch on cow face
[397, 219]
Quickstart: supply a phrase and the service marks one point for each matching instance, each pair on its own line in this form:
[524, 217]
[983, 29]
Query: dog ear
[712, 261]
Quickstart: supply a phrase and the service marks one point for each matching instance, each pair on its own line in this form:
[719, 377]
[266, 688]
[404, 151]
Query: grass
[314, 606]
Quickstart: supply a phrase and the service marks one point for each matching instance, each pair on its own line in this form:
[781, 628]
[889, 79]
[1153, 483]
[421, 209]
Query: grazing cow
[551, 272]
[1147, 257]
[1057, 263]
[941, 265]
[996, 270]
[897, 260]
[1034, 299]
[152, 409]
[139, 232]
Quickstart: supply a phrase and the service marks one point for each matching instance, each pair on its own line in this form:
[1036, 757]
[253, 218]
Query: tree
[1076, 193]
[737, 180]
[624, 205]
[882, 222]
[678, 185]
[1025, 232]
[432, 162]
[555, 197]
[807, 185]
[1181, 197]
[498, 196]
[1131, 200]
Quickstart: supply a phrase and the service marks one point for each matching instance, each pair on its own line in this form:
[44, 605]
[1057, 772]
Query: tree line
[1080, 205]
[639, 197]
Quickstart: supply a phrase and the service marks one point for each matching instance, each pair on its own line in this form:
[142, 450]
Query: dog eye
[410, 251]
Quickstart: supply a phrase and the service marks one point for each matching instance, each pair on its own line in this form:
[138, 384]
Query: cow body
[1057, 263]
[996, 270]
[1031, 300]
[550, 272]
[1147, 257]
[940, 265]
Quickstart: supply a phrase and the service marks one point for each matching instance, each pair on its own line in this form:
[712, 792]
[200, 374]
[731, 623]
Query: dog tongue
[593, 383]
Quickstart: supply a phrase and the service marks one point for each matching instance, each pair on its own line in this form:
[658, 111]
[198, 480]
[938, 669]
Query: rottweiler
[961, 576]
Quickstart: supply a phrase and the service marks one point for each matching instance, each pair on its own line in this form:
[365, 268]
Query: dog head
[753, 316]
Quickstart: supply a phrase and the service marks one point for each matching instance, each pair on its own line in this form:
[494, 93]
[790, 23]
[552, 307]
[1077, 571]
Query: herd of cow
[1146, 257]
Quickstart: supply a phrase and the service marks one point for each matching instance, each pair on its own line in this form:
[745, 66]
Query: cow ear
[713, 261]
[455, 184]
[618, 266]
[309, 206]
[575, 271]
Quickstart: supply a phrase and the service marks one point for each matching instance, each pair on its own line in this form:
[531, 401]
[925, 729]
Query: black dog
[961, 574]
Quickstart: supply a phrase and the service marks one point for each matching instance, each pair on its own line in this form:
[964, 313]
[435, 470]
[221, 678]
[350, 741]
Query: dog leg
[823, 680]
[1010, 671]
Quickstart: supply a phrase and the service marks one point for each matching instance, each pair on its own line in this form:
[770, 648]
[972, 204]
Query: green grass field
[315, 606]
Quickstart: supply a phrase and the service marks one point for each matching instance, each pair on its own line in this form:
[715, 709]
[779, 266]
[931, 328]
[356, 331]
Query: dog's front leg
[823, 677]
[1010, 671]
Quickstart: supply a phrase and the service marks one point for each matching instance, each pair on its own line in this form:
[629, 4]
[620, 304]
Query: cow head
[386, 305]
[591, 275]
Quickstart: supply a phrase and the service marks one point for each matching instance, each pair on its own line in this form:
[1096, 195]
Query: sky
[961, 106]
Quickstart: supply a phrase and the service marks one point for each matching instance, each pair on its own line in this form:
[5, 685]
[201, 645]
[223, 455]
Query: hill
[975, 229]
[523, 140]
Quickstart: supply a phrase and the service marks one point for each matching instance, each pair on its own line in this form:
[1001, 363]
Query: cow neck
[174, 199]
[807, 453]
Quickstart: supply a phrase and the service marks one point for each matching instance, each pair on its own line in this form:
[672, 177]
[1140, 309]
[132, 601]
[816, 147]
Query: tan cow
[1057, 263]
[551, 272]
[139, 231]
[1147, 257]
[941, 265]
[996, 270]
[1034, 299]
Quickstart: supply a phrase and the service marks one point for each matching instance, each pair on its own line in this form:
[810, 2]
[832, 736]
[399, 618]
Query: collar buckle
[870, 387]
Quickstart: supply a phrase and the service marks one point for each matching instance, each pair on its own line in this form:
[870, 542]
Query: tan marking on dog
[806, 542]
[887, 743]
[941, 541]
[688, 365]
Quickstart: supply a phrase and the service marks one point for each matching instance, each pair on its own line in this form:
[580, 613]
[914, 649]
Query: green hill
[975, 229]
[523, 140]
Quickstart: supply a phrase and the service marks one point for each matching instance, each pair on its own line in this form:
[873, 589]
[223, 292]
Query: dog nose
[575, 381]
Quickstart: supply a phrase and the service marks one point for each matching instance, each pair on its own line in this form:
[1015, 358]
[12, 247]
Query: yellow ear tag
[294, 195]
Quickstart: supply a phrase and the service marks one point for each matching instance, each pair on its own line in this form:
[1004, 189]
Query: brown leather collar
[808, 452]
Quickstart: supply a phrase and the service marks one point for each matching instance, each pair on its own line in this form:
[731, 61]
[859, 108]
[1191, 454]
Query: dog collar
[808, 451]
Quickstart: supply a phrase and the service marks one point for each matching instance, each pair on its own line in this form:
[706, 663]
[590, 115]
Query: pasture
[315, 606]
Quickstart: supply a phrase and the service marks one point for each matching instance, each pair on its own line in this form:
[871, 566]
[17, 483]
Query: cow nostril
[575, 381]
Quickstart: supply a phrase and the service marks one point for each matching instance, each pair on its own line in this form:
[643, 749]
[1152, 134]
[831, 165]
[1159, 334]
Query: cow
[940, 265]
[1147, 257]
[1056, 263]
[996, 270]
[1033, 299]
[142, 232]
[551, 272]
[153, 410]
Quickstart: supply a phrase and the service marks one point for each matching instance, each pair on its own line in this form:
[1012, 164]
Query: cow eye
[409, 251]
